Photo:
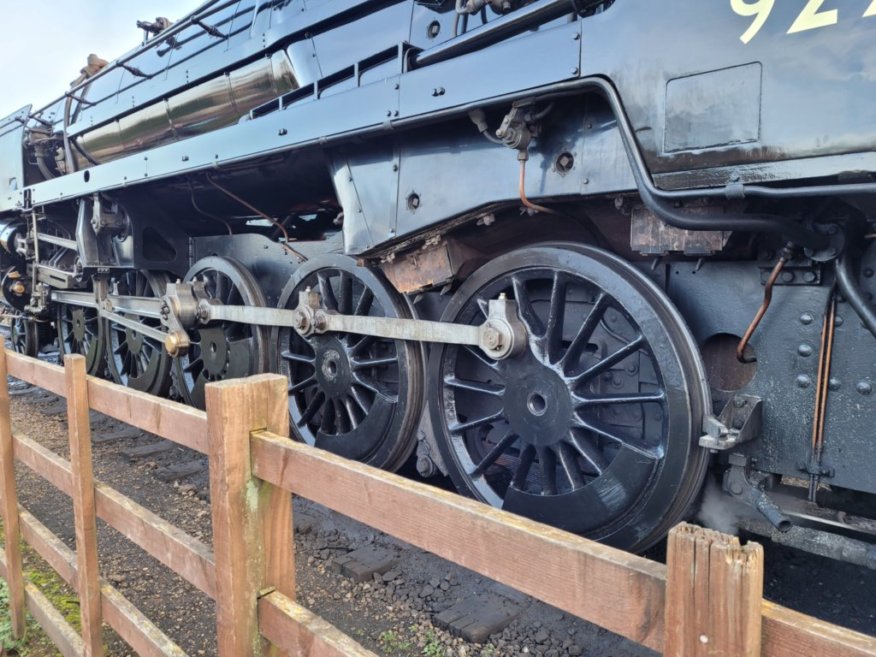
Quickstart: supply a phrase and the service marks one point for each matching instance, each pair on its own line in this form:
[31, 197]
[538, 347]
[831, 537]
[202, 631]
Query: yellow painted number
[760, 9]
[811, 18]
[871, 10]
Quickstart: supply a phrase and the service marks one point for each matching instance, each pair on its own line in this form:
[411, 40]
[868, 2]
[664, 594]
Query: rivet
[838, 320]
[704, 639]
[864, 387]
[806, 318]
[185, 158]
[787, 276]
[868, 273]
[282, 132]
[834, 383]
[809, 277]
[803, 381]
[804, 350]
[574, 70]
[576, 37]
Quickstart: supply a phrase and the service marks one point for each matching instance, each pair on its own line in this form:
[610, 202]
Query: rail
[707, 600]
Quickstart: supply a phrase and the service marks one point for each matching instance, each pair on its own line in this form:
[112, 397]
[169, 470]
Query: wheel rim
[133, 360]
[23, 336]
[591, 428]
[357, 396]
[222, 350]
[80, 332]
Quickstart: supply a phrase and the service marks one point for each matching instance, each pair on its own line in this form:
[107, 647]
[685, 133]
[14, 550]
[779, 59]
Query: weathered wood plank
[714, 591]
[614, 589]
[788, 633]
[128, 621]
[183, 554]
[65, 638]
[252, 529]
[84, 513]
[9, 507]
[301, 633]
[182, 424]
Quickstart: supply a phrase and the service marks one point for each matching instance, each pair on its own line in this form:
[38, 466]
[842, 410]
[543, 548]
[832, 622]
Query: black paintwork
[377, 115]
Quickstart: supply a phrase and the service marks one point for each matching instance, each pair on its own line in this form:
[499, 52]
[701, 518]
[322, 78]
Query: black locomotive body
[576, 255]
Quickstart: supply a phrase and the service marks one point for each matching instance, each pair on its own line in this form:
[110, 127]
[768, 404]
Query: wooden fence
[705, 601]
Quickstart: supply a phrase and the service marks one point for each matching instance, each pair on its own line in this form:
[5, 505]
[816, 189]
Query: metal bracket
[749, 486]
[739, 421]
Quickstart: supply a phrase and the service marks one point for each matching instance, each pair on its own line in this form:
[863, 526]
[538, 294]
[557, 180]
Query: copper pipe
[821, 391]
[522, 189]
[301, 257]
[831, 326]
[819, 380]
[767, 298]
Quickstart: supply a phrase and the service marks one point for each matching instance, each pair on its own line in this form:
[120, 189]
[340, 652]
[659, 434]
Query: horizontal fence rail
[706, 601]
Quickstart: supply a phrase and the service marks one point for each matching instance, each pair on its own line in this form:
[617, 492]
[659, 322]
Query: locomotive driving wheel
[24, 336]
[80, 332]
[222, 350]
[354, 395]
[594, 427]
[134, 360]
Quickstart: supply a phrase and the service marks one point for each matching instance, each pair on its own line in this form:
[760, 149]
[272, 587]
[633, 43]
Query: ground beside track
[391, 613]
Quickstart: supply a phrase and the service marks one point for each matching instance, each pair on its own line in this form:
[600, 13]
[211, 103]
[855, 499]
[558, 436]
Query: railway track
[395, 599]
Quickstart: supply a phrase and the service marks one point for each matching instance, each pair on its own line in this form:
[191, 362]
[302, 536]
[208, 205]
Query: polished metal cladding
[208, 106]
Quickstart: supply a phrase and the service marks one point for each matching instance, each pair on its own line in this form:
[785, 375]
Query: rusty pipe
[767, 299]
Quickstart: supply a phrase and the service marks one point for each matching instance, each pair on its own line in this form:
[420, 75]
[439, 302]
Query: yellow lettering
[811, 18]
[760, 9]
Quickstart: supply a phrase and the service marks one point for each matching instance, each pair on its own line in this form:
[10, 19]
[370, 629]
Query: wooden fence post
[714, 591]
[252, 520]
[84, 515]
[15, 573]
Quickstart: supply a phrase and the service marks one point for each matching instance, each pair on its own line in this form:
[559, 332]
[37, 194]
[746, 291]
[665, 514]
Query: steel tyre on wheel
[222, 350]
[354, 395]
[594, 427]
[133, 360]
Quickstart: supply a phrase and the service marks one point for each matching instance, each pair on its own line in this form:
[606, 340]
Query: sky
[44, 43]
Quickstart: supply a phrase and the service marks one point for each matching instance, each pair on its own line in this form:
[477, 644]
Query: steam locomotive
[579, 255]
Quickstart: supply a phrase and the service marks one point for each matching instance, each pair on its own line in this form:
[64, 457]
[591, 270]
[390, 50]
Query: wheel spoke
[475, 386]
[526, 459]
[585, 331]
[497, 451]
[534, 325]
[553, 335]
[471, 424]
[348, 405]
[570, 466]
[481, 357]
[345, 294]
[302, 385]
[326, 291]
[589, 452]
[373, 362]
[311, 409]
[376, 387]
[628, 398]
[547, 462]
[297, 358]
[363, 307]
[600, 429]
[611, 360]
